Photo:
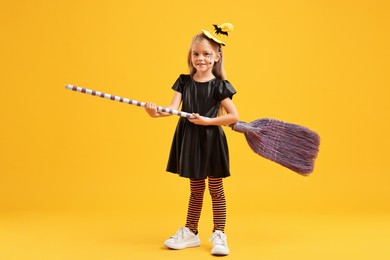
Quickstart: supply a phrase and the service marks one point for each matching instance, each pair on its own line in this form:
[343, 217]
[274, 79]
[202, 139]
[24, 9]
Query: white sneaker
[183, 238]
[220, 246]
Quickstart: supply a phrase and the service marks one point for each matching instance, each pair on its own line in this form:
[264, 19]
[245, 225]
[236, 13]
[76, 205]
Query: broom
[293, 146]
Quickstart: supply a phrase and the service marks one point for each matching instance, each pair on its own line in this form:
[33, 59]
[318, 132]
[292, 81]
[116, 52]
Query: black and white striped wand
[125, 100]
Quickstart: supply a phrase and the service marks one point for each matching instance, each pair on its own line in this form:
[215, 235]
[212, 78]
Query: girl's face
[203, 56]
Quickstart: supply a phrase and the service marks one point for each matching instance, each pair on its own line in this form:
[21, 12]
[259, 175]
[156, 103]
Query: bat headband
[220, 30]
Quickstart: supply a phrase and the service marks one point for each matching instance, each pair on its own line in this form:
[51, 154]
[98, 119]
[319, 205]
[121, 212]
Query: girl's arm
[231, 116]
[151, 108]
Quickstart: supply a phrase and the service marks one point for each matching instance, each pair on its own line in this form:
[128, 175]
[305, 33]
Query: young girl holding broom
[199, 149]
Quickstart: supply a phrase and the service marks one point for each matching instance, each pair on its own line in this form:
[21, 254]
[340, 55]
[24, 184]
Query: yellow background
[84, 178]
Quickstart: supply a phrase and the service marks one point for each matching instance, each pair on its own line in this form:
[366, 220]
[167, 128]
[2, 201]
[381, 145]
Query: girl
[199, 149]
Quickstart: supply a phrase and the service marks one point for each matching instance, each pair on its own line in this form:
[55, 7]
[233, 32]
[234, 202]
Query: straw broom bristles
[290, 145]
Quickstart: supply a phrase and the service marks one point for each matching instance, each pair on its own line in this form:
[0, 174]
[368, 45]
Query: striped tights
[196, 201]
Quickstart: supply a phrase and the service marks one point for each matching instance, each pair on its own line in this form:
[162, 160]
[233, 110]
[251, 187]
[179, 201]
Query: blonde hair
[218, 69]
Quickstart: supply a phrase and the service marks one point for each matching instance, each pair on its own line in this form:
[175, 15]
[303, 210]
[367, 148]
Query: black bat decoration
[218, 30]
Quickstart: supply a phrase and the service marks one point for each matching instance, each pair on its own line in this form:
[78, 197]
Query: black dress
[198, 152]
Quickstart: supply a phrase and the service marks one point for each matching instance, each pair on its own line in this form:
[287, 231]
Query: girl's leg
[195, 204]
[219, 203]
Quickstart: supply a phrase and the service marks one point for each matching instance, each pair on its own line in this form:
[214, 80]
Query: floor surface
[96, 235]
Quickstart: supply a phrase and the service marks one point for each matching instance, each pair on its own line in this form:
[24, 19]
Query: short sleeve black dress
[198, 152]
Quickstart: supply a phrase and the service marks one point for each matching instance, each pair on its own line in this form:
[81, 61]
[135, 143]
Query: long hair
[218, 68]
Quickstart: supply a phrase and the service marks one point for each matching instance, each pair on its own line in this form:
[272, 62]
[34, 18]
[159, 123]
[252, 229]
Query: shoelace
[218, 238]
[179, 233]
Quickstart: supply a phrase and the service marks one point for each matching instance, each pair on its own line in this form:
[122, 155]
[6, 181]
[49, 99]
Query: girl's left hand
[199, 120]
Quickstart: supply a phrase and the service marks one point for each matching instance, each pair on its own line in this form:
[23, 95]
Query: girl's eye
[208, 55]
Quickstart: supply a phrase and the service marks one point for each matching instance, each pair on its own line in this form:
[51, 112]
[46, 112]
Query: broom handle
[126, 100]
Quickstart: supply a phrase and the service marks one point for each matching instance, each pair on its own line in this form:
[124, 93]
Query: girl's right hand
[151, 109]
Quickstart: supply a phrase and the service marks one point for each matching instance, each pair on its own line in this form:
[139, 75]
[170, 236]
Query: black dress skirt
[198, 152]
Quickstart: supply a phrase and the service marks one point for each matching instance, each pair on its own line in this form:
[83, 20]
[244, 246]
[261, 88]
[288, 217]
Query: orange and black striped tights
[196, 201]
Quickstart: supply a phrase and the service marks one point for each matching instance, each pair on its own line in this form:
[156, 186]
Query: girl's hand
[151, 109]
[199, 120]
